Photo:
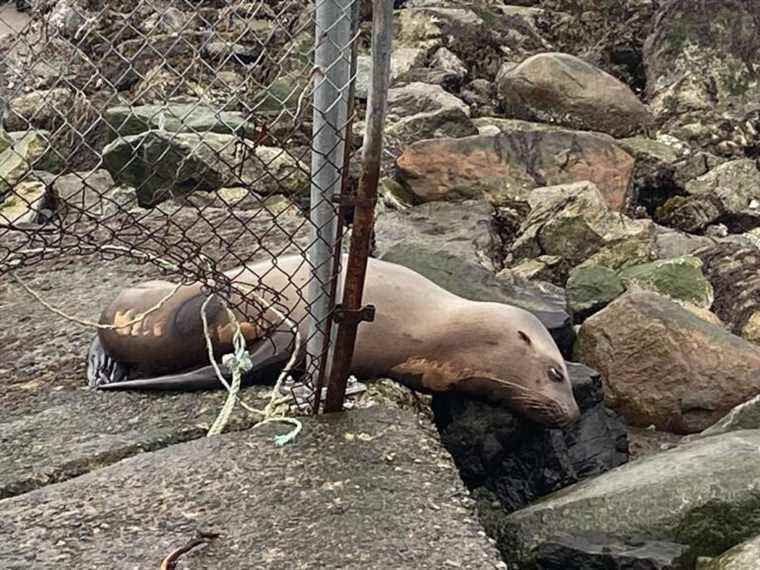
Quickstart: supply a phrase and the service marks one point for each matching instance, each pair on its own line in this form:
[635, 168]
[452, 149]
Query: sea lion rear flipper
[101, 368]
[269, 356]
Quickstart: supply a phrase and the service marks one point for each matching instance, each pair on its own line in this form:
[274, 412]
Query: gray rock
[597, 550]
[563, 89]
[42, 109]
[403, 60]
[84, 193]
[161, 165]
[249, 491]
[665, 366]
[703, 494]
[178, 118]
[419, 111]
[743, 416]
[724, 195]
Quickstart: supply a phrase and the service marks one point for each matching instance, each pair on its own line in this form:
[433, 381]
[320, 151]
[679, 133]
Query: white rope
[84, 322]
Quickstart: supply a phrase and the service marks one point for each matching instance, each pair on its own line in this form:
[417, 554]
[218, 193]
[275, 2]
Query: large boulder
[666, 367]
[507, 166]
[161, 164]
[703, 494]
[506, 458]
[728, 194]
[573, 222]
[42, 109]
[456, 245]
[563, 89]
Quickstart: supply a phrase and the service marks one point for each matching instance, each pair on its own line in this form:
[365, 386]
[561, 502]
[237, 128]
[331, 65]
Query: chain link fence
[196, 136]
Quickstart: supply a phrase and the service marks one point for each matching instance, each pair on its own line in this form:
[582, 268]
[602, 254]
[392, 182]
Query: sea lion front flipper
[269, 356]
[101, 368]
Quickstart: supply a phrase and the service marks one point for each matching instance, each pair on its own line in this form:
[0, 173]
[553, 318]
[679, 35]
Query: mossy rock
[679, 278]
[591, 288]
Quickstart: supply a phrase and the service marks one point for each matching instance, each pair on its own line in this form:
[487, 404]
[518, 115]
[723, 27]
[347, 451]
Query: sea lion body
[422, 335]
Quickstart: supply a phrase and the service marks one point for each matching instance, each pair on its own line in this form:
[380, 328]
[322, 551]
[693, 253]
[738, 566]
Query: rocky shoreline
[595, 163]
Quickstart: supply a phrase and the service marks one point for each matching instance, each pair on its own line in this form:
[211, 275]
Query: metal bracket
[343, 315]
[353, 201]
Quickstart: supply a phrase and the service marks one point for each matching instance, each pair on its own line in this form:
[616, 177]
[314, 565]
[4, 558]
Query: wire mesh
[197, 137]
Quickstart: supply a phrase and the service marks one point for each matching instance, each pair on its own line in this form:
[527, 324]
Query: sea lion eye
[556, 375]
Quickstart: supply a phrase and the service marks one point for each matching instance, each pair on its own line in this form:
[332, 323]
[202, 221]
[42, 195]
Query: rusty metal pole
[350, 313]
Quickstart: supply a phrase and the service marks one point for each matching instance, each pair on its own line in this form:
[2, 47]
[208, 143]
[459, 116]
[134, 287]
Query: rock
[563, 89]
[161, 165]
[702, 494]
[743, 416]
[508, 459]
[43, 109]
[662, 169]
[419, 111]
[234, 52]
[480, 36]
[84, 193]
[479, 95]
[30, 150]
[544, 267]
[732, 269]
[597, 550]
[454, 245]
[168, 21]
[196, 118]
[664, 366]
[679, 278]
[573, 222]
[28, 203]
[403, 60]
[671, 243]
[726, 195]
[591, 288]
[509, 165]
[741, 557]
[699, 68]
[447, 61]
[5, 139]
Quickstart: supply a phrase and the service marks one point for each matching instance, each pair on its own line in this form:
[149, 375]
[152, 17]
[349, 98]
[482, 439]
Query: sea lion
[422, 336]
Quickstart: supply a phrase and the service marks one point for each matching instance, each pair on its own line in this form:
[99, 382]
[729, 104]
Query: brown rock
[563, 89]
[508, 165]
[664, 366]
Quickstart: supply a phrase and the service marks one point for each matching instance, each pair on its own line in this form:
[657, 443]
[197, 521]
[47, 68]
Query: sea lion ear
[525, 338]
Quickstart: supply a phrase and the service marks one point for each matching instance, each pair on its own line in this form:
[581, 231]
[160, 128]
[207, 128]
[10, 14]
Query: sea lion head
[500, 354]
[520, 366]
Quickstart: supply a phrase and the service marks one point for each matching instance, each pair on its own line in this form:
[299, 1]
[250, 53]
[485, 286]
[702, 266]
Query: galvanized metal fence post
[332, 59]
[364, 204]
